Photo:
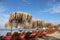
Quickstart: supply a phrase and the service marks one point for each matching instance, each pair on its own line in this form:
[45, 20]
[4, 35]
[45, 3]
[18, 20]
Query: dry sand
[56, 34]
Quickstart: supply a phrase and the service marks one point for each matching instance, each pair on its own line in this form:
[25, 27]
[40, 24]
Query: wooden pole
[11, 29]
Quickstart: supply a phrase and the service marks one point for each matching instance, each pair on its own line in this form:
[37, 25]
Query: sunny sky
[48, 10]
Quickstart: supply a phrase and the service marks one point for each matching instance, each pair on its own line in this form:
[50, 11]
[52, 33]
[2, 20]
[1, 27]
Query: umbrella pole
[11, 29]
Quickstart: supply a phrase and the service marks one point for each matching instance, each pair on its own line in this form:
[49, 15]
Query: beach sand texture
[56, 34]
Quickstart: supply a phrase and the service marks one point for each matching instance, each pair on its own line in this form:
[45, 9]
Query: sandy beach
[56, 34]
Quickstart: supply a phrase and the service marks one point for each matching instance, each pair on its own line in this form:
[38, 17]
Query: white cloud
[2, 8]
[54, 8]
[26, 1]
[3, 15]
[3, 19]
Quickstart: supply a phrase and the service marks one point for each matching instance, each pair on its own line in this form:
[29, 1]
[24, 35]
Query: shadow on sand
[48, 38]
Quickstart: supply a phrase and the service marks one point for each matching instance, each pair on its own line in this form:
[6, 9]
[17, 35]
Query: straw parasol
[33, 23]
[36, 23]
[49, 24]
[17, 18]
[40, 23]
[8, 24]
[26, 19]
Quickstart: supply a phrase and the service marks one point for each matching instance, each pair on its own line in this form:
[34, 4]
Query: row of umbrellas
[25, 20]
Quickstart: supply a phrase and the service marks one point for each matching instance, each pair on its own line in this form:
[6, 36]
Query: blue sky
[48, 10]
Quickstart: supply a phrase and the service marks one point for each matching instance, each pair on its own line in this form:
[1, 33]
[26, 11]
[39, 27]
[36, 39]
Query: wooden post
[11, 29]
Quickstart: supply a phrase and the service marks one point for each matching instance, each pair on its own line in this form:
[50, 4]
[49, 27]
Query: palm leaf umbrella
[49, 24]
[12, 17]
[33, 23]
[12, 21]
[26, 18]
[8, 24]
[17, 18]
[15, 24]
[50, 27]
[40, 23]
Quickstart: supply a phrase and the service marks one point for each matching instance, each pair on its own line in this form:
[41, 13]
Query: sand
[56, 34]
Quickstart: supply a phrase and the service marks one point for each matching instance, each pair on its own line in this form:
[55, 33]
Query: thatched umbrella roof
[40, 23]
[20, 16]
[49, 24]
[17, 18]
[33, 23]
[12, 17]
[36, 23]
[8, 24]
